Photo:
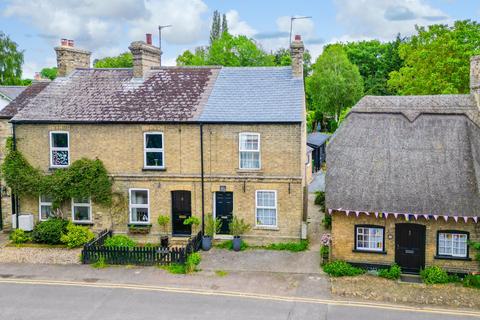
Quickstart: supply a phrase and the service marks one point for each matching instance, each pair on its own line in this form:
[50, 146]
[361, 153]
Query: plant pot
[164, 241]
[237, 243]
[206, 243]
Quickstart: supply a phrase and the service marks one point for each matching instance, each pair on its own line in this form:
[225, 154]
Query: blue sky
[106, 27]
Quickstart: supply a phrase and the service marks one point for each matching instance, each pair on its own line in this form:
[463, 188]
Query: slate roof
[27, 94]
[11, 92]
[255, 94]
[415, 154]
[317, 138]
[169, 94]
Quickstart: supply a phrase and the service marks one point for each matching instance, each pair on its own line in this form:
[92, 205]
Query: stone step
[411, 278]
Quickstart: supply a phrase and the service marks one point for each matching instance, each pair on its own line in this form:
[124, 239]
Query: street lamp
[291, 24]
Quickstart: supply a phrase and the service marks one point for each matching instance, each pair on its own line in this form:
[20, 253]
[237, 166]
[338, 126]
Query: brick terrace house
[403, 181]
[177, 141]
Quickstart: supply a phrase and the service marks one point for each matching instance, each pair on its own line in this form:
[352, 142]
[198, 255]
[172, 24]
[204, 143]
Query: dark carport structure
[318, 141]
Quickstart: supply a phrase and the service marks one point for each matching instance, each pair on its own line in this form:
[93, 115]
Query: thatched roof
[416, 154]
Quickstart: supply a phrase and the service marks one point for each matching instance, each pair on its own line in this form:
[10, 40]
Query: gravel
[39, 255]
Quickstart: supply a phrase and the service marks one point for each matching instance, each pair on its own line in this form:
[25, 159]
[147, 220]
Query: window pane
[266, 217]
[59, 140]
[154, 141]
[139, 197]
[81, 213]
[139, 215]
[59, 158]
[265, 199]
[46, 212]
[154, 159]
[45, 198]
[81, 200]
[249, 160]
[249, 142]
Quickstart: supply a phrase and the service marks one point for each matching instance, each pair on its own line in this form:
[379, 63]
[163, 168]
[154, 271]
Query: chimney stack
[145, 56]
[475, 75]
[69, 58]
[296, 53]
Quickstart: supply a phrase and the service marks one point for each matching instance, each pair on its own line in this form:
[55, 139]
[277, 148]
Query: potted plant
[237, 228]
[163, 222]
[212, 226]
[193, 221]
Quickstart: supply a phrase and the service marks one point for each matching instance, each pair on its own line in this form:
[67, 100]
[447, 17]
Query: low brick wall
[373, 288]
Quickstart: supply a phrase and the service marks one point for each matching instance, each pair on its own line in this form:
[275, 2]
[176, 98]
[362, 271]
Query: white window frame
[81, 204]
[263, 207]
[369, 235]
[240, 150]
[145, 150]
[451, 241]
[52, 148]
[40, 204]
[135, 205]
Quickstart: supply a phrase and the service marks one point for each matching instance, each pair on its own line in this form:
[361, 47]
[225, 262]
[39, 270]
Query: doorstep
[410, 278]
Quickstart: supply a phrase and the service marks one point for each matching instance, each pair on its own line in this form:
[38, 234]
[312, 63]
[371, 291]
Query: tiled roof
[255, 94]
[114, 95]
[27, 94]
[317, 138]
[11, 92]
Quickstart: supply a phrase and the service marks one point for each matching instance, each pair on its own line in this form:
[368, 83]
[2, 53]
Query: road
[47, 299]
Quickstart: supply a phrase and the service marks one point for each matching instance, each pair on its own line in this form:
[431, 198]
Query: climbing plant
[84, 178]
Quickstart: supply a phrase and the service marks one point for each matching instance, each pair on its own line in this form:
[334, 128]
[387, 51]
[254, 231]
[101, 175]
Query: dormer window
[59, 149]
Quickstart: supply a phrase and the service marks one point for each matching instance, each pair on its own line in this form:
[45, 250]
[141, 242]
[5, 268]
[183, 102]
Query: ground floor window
[369, 238]
[266, 208]
[45, 208]
[139, 206]
[452, 243]
[81, 210]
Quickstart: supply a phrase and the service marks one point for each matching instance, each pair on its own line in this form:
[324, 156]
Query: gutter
[15, 202]
[202, 177]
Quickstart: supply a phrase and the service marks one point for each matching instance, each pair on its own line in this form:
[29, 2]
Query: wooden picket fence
[95, 251]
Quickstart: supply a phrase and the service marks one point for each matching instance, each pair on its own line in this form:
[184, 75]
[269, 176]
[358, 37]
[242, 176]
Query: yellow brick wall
[343, 242]
[5, 132]
[120, 147]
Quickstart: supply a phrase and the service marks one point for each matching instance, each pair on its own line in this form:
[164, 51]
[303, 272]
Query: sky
[107, 27]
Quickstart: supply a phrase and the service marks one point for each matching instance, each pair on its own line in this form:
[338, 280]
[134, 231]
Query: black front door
[181, 210]
[410, 246]
[224, 210]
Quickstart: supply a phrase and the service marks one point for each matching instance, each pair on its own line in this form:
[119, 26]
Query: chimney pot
[64, 42]
[298, 37]
[296, 53]
[149, 38]
[71, 43]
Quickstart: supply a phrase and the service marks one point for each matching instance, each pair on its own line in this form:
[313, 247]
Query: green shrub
[163, 222]
[472, 281]
[19, 236]
[212, 226]
[100, 264]
[76, 236]
[433, 275]
[319, 198]
[238, 227]
[341, 268]
[175, 268]
[119, 241]
[50, 231]
[192, 262]
[289, 246]
[229, 245]
[327, 221]
[392, 273]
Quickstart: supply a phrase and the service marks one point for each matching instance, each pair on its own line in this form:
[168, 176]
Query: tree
[11, 61]
[187, 58]
[224, 24]
[124, 60]
[335, 83]
[282, 57]
[49, 73]
[437, 59]
[215, 31]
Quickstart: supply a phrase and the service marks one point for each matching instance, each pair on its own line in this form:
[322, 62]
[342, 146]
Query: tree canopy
[437, 59]
[335, 83]
[49, 73]
[11, 61]
[124, 60]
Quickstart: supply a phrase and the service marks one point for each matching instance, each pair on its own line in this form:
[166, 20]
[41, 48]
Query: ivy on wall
[83, 178]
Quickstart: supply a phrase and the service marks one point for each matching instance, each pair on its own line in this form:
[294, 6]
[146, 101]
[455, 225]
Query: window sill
[452, 258]
[369, 251]
[154, 169]
[83, 223]
[57, 168]
[267, 228]
[249, 170]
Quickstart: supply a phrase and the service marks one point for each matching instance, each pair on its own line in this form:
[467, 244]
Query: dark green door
[224, 210]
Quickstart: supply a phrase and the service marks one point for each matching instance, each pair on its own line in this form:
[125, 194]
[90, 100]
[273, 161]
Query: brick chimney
[145, 56]
[69, 58]
[296, 53]
[475, 75]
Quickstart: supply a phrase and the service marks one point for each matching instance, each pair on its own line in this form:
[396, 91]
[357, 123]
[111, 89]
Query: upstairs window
[45, 208]
[453, 244]
[139, 206]
[249, 147]
[81, 210]
[59, 149]
[153, 150]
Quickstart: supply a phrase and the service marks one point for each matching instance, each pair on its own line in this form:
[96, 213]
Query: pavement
[318, 182]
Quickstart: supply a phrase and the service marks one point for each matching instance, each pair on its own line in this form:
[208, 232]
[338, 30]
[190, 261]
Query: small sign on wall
[223, 188]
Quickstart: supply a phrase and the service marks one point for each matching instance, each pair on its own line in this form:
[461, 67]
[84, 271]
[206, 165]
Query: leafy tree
[124, 60]
[282, 57]
[224, 24]
[187, 58]
[49, 73]
[11, 60]
[215, 31]
[436, 59]
[335, 83]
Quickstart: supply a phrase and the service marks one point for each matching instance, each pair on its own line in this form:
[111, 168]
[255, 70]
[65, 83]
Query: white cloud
[237, 26]
[385, 19]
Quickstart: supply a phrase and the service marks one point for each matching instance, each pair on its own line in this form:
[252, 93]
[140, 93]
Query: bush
[238, 227]
[175, 268]
[212, 226]
[19, 236]
[50, 231]
[327, 221]
[119, 241]
[472, 281]
[433, 275]
[319, 198]
[392, 273]
[289, 246]
[341, 268]
[76, 236]
[192, 262]
[229, 245]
